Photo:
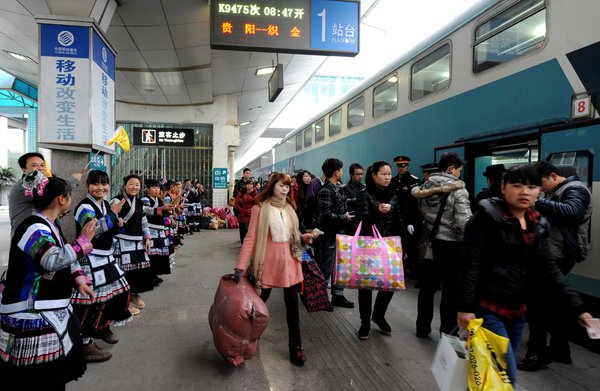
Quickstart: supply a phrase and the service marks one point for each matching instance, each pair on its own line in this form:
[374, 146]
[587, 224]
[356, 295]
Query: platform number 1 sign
[581, 106]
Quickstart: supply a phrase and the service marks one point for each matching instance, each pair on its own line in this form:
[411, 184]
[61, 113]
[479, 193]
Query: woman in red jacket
[244, 201]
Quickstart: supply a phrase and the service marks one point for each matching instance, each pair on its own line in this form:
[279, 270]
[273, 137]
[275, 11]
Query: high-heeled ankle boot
[297, 356]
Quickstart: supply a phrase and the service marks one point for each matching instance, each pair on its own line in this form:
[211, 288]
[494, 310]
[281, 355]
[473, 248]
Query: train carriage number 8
[582, 106]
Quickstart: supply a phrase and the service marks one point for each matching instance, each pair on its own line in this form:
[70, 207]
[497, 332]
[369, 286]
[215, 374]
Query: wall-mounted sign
[163, 137]
[64, 84]
[77, 73]
[328, 27]
[103, 91]
[220, 178]
[581, 106]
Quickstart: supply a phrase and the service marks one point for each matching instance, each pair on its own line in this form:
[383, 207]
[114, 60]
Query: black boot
[384, 326]
[341, 301]
[297, 356]
[562, 354]
[364, 331]
[534, 361]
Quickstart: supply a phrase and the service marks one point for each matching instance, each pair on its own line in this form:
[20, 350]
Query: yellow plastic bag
[486, 368]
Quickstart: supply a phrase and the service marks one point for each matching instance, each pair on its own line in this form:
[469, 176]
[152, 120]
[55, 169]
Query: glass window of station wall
[515, 32]
[176, 163]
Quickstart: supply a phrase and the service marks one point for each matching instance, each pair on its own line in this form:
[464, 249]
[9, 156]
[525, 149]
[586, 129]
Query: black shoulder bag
[434, 229]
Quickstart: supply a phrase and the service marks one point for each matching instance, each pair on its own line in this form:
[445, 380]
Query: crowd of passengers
[501, 258]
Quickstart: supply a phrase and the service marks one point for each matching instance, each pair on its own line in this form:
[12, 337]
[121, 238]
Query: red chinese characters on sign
[227, 28]
[250, 29]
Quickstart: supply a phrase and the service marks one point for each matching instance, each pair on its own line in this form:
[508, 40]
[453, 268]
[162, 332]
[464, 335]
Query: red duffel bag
[237, 318]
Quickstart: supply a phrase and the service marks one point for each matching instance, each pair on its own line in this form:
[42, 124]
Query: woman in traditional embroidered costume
[40, 343]
[272, 249]
[173, 199]
[132, 243]
[109, 284]
[156, 212]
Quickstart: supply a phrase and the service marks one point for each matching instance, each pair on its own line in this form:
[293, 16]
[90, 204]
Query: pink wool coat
[280, 269]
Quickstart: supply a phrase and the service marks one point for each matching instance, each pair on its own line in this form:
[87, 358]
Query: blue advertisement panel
[64, 84]
[103, 56]
[335, 25]
[220, 178]
[58, 40]
[102, 91]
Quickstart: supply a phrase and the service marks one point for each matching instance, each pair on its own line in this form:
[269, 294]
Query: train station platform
[169, 345]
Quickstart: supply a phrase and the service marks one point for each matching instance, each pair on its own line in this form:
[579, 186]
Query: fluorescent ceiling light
[261, 145]
[21, 57]
[264, 71]
[245, 123]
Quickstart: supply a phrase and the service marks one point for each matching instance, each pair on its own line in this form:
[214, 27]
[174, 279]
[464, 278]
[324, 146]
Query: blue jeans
[511, 328]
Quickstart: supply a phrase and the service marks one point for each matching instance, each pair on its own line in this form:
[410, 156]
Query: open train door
[478, 153]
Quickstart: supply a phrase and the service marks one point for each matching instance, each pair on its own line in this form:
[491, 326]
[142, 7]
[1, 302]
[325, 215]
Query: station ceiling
[164, 58]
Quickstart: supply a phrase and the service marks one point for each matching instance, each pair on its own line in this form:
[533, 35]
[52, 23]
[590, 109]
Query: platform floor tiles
[169, 345]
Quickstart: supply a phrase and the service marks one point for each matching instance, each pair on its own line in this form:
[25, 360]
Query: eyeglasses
[401, 164]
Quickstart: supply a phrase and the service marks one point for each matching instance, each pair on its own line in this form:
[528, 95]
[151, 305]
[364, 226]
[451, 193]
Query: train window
[385, 96]
[308, 134]
[298, 141]
[431, 74]
[335, 123]
[519, 30]
[356, 112]
[573, 163]
[319, 131]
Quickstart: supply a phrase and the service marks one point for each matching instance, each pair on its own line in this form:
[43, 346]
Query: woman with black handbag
[272, 253]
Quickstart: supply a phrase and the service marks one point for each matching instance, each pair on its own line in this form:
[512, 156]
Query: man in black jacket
[246, 173]
[567, 206]
[333, 219]
[494, 175]
[351, 190]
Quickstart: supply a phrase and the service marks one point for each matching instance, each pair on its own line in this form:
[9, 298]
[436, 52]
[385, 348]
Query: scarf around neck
[278, 217]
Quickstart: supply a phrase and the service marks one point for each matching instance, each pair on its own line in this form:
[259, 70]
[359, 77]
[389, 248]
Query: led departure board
[328, 27]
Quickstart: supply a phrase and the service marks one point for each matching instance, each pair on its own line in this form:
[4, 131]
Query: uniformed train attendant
[109, 284]
[409, 210]
[40, 343]
[132, 243]
[427, 170]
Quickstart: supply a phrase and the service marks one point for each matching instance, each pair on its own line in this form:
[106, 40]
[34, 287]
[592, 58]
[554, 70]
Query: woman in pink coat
[272, 253]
